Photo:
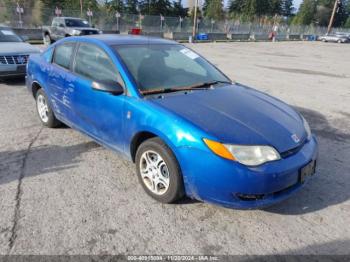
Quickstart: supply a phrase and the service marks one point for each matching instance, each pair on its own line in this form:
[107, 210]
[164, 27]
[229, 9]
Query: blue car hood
[239, 115]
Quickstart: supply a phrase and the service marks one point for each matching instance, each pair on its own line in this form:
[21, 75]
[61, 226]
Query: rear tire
[44, 110]
[159, 172]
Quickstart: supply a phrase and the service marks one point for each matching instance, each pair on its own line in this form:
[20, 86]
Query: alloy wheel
[43, 108]
[154, 172]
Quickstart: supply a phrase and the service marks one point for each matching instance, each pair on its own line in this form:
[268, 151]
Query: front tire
[159, 172]
[44, 110]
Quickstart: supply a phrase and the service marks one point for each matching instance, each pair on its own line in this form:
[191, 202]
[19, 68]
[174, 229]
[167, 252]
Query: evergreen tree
[319, 12]
[115, 5]
[131, 6]
[69, 7]
[287, 8]
[347, 23]
[155, 7]
[306, 13]
[213, 9]
[253, 8]
[274, 7]
[236, 6]
[178, 9]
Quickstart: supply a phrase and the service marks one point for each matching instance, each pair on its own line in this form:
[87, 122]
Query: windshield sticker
[189, 53]
[7, 32]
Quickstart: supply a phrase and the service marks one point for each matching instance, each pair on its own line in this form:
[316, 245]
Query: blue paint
[231, 114]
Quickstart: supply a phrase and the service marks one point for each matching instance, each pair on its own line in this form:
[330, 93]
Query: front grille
[257, 197]
[14, 59]
[89, 32]
[292, 151]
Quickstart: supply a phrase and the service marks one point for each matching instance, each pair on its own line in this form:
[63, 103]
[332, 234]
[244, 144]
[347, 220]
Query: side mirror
[112, 87]
[25, 38]
[61, 25]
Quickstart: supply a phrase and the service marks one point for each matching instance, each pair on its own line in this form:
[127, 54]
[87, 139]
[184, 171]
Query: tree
[274, 7]
[155, 7]
[258, 8]
[131, 6]
[319, 12]
[236, 6]
[115, 5]
[287, 8]
[306, 13]
[213, 9]
[178, 9]
[347, 24]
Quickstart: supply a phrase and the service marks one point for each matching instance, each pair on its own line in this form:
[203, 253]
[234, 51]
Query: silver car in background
[14, 53]
[336, 38]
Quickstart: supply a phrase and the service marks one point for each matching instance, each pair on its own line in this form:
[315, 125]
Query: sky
[297, 3]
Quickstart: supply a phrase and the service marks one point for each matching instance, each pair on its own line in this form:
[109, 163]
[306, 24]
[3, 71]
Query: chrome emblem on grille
[295, 138]
[21, 59]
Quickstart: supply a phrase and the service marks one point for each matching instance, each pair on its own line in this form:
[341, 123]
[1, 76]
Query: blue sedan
[187, 127]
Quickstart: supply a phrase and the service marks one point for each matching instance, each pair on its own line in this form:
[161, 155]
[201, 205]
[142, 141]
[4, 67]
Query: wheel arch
[35, 87]
[141, 136]
[137, 140]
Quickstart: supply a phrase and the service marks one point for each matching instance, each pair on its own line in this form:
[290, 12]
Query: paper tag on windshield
[189, 53]
[7, 32]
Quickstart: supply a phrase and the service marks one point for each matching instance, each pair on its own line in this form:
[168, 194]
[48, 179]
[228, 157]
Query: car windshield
[76, 23]
[167, 67]
[7, 35]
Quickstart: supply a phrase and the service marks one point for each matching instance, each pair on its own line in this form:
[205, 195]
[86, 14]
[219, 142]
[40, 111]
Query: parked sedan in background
[336, 38]
[189, 129]
[14, 53]
[343, 34]
[67, 26]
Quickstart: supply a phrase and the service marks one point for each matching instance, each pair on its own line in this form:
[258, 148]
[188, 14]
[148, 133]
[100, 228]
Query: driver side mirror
[61, 25]
[111, 87]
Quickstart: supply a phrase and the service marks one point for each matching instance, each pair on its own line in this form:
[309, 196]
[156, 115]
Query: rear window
[63, 54]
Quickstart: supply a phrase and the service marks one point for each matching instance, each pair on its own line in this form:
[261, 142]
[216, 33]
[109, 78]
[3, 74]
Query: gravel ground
[61, 193]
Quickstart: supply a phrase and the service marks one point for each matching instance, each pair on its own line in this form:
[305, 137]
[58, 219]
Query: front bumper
[12, 70]
[216, 180]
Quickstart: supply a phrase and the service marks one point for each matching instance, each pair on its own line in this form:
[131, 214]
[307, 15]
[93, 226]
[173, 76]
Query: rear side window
[63, 54]
[93, 63]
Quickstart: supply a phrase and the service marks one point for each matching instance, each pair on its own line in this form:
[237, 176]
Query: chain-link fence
[26, 17]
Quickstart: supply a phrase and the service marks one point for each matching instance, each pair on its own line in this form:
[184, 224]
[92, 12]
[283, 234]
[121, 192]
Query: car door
[60, 80]
[61, 29]
[100, 114]
[54, 26]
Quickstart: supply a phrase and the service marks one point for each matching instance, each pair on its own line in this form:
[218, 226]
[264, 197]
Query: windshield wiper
[166, 90]
[206, 84]
[199, 86]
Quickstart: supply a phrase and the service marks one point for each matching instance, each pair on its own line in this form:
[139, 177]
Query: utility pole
[195, 19]
[336, 4]
[81, 8]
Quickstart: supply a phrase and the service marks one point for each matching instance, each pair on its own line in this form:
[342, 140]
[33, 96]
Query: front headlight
[76, 32]
[246, 155]
[307, 128]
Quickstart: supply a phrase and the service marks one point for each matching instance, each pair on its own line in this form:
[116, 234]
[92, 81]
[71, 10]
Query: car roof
[116, 39]
[69, 17]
